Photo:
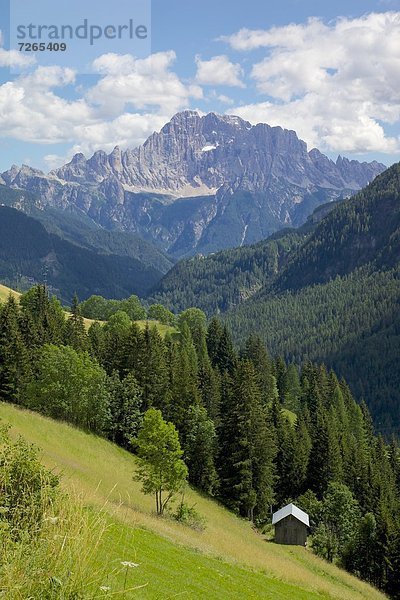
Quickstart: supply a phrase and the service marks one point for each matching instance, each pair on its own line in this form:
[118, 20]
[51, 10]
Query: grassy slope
[173, 559]
[5, 292]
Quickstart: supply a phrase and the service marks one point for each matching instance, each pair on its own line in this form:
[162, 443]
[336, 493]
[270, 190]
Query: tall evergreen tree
[116, 333]
[125, 409]
[200, 447]
[75, 330]
[151, 369]
[47, 314]
[15, 367]
[247, 447]
[291, 389]
[319, 468]
[97, 342]
[214, 334]
[184, 381]
[256, 351]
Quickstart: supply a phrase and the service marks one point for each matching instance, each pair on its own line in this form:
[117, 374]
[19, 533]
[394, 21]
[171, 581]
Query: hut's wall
[291, 531]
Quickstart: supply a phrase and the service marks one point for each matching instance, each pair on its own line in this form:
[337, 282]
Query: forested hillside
[328, 292]
[30, 254]
[337, 300]
[253, 431]
[351, 324]
[223, 280]
[364, 230]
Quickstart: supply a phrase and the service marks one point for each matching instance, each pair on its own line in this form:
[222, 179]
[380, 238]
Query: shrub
[27, 489]
[48, 540]
[189, 516]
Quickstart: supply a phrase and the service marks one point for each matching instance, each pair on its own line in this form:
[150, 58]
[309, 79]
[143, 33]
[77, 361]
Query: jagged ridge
[247, 182]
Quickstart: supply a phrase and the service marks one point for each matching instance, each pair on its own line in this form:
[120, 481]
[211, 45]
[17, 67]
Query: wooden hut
[291, 525]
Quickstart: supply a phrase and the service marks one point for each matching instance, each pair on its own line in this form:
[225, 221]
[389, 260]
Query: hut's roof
[290, 509]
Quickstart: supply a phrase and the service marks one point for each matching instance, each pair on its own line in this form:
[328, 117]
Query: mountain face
[203, 183]
[362, 232]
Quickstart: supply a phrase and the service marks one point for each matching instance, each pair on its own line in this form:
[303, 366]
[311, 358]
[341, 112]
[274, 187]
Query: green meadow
[165, 558]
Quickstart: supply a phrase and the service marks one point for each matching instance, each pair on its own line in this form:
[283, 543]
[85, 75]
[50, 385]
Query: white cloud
[225, 99]
[14, 59]
[31, 111]
[131, 99]
[222, 98]
[336, 84]
[140, 83]
[219, 70]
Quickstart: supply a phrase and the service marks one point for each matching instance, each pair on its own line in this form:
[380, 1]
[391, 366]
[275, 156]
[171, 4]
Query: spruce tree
[247, 446]
[47, 314]
[200, 447]
[125, 409]
[319, 468]
[280, 373]
[15, 367]
[184, 381]
[255, 350]
[220, 346]
[214, 334]
[75, 330]
[97, 342]
[291, 389]
[151, 369]
[116, 333]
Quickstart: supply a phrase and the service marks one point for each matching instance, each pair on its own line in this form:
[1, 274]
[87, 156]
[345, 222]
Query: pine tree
[196, 321]
[200, 447]
[209, 380]
[302, 455]
[131, 349]
[209, 386]
[393, 560]
[280, 373]
[220, 347]
[151, 370]
[291, 389]
[226, 359]
[256, 351]
[97, 342]
[47, 314]
[214, 334]
[75, 331]
[184, 381]
[319, 468]
[125, 408]
[116, 333]
[247, 447]
[15, 367]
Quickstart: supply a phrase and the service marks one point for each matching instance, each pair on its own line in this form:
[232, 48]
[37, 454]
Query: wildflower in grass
[105, 588]
[128, 564]
[52, 520]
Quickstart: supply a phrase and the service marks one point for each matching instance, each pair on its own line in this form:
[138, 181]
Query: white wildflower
[128, 564]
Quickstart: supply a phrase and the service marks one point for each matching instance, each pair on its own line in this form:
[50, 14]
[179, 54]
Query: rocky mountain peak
[78, 159]
[246, 179]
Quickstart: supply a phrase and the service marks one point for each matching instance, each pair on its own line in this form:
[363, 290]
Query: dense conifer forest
[256, 431]
[327, 292]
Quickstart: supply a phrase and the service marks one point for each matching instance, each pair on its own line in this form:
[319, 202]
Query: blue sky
[330, 71]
